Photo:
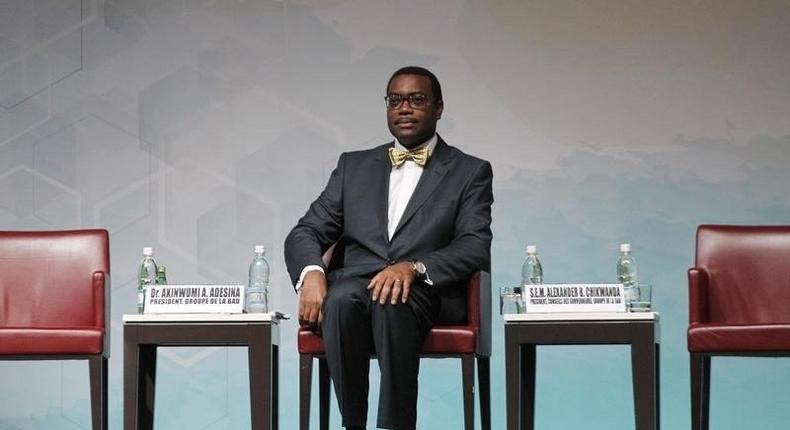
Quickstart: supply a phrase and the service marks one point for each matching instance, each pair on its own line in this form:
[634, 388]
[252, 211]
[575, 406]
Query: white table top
[581, 316]
[220, 318]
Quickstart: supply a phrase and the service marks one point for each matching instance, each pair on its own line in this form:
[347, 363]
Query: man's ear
[439, 109]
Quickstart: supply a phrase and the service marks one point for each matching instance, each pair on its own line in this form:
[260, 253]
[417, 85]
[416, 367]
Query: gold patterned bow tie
[419, 156]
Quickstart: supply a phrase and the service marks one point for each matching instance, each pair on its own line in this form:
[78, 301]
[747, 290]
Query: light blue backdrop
[203, 127]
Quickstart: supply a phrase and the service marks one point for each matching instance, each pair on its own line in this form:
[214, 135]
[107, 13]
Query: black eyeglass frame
[415, 104]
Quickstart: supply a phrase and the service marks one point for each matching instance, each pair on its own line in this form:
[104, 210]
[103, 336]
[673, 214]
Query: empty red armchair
[739, 290]
[467, 342]
[54, 302]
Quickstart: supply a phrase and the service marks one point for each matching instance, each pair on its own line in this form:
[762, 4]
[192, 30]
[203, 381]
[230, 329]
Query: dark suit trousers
[353, 327]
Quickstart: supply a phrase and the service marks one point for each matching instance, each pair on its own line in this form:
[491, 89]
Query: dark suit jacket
[446, 224]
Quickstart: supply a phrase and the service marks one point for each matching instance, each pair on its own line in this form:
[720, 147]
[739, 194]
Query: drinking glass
[641, 301]
[510, 300]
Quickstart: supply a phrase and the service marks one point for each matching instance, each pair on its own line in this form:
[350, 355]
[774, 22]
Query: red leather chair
[739, 292]
[466, 342]
[54, 302]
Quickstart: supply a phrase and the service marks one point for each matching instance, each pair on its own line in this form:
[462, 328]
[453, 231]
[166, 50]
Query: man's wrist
[305, 271]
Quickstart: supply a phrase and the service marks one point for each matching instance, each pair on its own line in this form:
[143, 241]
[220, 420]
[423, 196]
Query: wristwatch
[418, 268]
[420, 271]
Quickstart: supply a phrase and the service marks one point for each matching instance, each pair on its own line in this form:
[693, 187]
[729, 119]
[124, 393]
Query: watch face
[419, 267]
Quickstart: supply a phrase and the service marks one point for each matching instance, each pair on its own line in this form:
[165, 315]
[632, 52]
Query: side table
[142, 334]
[523, 332]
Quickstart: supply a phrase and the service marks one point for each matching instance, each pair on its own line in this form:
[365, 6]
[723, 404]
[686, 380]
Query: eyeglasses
[416, 100]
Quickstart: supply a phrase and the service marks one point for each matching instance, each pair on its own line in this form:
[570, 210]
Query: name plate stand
[194, 299]
[553, 298]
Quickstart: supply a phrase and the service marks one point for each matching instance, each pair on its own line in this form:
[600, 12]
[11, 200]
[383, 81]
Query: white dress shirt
[403, 182]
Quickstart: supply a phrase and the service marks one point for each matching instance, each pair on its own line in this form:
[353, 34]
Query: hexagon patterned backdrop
[204, 127]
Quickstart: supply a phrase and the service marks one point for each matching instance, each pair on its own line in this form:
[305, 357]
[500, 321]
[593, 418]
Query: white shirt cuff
[309, 268]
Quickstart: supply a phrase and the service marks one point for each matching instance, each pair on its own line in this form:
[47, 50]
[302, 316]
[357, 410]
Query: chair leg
[700, 391]
[305, 384]
[484, 382]
[323, 393]
[97, 368]
[468, 376]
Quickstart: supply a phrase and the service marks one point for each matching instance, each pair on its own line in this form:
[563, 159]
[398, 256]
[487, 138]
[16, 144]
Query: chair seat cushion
[739, 337]
[449, 339]
[46, 341]
[442, 339]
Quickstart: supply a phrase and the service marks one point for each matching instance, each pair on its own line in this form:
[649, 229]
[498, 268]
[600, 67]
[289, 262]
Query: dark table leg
[520, 360]
[260, 356]
[528, 369]
[512, 378]
[644, 368]
[658, 386]
[139, 381]
[275, 386]
[146, 388]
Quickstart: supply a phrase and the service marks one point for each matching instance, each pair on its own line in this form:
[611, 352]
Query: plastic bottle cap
[625, 247]
[148, 251]
[260, 249]
[532, 249]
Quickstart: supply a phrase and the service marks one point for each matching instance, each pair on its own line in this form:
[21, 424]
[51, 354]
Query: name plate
[550, 298]
[194, 299]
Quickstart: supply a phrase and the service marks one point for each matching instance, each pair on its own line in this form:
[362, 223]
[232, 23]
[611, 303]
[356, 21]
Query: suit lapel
[431, 177]
[381, 186]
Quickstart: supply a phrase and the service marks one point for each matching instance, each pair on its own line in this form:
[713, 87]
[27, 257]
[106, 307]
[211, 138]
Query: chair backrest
[748, 272]
[478, 304]
[47, 278]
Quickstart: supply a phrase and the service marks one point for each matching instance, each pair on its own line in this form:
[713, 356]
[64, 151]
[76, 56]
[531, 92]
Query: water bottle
[161, 275]
[146, 275]
[257, 296]
[627, 273]
[531, 272]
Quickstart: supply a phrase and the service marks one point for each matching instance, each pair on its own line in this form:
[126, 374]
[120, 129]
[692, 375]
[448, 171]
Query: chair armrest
[698, 295]
[101, 307]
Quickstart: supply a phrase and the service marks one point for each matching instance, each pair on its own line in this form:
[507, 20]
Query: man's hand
[311, 297]
[393, 283]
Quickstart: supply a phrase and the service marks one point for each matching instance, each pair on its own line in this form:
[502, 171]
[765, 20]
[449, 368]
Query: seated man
[414, 216]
